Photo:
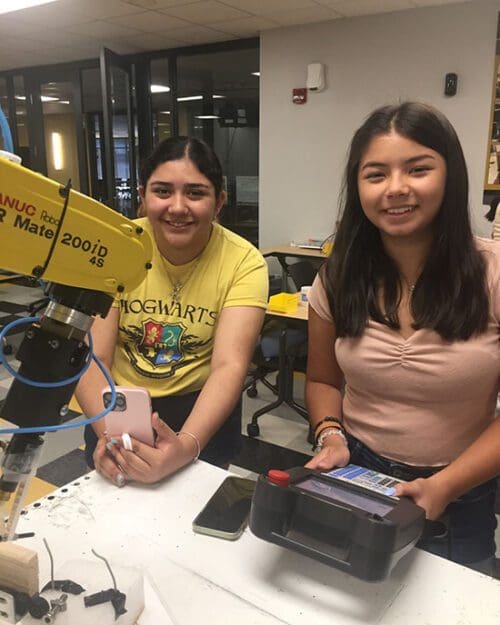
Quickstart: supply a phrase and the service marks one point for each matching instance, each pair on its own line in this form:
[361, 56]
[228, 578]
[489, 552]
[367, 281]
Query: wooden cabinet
[492, 176]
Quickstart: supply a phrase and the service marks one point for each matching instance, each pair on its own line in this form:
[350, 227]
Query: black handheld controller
[347, 518]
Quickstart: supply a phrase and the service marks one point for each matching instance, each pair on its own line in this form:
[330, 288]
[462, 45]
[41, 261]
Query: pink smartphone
[131, 414]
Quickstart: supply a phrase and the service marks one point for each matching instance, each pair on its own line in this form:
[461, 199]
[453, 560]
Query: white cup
[304, 295]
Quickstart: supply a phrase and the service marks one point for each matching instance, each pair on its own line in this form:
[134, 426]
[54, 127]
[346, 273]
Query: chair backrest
[302, 273]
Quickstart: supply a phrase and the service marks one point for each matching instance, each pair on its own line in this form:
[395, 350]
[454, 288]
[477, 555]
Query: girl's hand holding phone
[147, 464]
[130, 415]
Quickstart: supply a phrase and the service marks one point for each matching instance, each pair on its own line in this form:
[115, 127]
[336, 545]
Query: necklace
[409, 286]
[178, 284]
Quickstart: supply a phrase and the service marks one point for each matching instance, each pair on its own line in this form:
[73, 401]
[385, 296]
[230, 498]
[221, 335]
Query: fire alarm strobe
[299, 96]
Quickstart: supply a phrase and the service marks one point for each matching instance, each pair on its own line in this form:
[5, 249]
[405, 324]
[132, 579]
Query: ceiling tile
[55, 38]
[10, 61]
[16, 27]
[426, 3]
[154, 42]
[104, 29]
[348, 8]
[123, 46]
[198, 34]
[70, 28]
[264, 7]
[69, 53]
[28, 59]
[103, 9]
[20, 43]
[150, 21]
[206, 12]
[157, 4]
[246, 27]
[304, 16]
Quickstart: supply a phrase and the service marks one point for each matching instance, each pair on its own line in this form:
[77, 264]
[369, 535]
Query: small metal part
[116, 597]
[99, 597]
[39, 606]
[56, 606]
[22, 535]
[65, 585]
[118, 603]
[68, 316]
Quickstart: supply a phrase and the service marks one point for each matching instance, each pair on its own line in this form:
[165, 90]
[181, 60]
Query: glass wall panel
[4, 105]
[218, 101]
[60, 132]
[161, 100]
[120, 91]
[23, 148]
[93, 126]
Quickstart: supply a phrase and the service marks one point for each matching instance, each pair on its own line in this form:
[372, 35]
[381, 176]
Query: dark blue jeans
[174, 410]
[465, 533]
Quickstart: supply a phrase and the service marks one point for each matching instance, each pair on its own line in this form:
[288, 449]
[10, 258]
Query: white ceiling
[69, 30]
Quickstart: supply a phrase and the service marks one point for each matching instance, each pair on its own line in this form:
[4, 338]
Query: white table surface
[202, 579]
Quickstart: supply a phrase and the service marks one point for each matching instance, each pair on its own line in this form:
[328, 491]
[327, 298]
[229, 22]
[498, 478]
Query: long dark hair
[177, 148]
[450, 295]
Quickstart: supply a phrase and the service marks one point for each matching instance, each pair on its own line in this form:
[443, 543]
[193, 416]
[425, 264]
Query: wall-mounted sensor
[315, 77]
[450, 84]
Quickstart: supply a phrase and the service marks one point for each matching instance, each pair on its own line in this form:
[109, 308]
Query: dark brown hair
[450, 295]
[177, 148]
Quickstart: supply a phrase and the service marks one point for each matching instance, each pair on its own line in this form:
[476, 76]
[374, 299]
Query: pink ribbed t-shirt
[421, 400]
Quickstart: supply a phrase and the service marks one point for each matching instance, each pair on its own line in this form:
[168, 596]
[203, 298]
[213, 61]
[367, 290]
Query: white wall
[370, 61]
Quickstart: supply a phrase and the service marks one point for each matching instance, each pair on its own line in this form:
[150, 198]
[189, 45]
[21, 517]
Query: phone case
[131, 414]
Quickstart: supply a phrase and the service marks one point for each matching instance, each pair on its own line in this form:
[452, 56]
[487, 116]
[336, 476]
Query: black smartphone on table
[225, 515]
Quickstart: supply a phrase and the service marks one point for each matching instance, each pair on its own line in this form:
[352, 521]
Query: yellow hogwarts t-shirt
[166, 345]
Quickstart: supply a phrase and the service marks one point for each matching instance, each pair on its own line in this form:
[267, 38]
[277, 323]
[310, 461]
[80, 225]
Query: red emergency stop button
[281, 478]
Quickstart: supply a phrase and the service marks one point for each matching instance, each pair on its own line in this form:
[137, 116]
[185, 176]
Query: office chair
[302, 273]
[282, 349]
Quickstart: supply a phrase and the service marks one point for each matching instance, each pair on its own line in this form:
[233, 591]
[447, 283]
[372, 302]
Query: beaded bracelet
[331, 431]
[198, 447]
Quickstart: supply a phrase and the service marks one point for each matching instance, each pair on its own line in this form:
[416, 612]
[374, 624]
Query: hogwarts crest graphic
[158, 350]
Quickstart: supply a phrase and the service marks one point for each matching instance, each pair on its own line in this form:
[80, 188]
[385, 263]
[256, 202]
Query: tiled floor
[282, 442]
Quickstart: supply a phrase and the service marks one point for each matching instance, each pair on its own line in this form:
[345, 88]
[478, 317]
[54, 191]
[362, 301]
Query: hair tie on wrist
[198, 446]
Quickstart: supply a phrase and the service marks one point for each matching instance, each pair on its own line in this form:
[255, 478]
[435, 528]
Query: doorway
[80, 127]
[54, 125]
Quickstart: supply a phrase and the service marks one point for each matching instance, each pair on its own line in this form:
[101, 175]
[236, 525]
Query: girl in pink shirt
[406, 314]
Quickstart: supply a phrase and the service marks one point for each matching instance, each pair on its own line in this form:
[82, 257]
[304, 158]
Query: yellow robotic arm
[86, 253]
[48, 231]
